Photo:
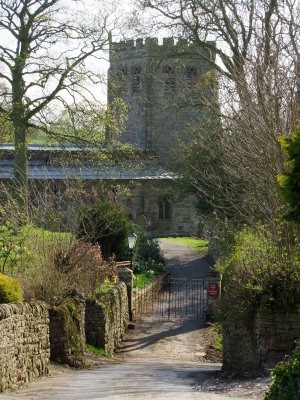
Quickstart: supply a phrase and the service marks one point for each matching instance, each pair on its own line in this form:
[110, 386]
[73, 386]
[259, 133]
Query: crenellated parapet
[168, 44]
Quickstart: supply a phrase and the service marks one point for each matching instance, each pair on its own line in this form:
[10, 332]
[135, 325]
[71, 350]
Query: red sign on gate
[213, 289]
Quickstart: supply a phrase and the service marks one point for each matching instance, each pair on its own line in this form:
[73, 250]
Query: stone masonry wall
[24, 343]
[67, 332]
[144, 201]
[239, 350]
[95, 323]
[277, 329]
[273, 334]
[106, 319]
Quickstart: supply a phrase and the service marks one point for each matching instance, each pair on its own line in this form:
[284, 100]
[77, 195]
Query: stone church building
[156, 81]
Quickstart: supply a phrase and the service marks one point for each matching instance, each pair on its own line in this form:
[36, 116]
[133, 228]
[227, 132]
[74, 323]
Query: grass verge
[192, 242]
[98, 350]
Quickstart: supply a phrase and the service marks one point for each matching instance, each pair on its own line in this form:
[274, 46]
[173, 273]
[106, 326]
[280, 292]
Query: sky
[88, 9]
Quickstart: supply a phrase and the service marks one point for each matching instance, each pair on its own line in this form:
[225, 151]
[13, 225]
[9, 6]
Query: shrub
[107, 224]
[290, 181]
[12, 243]
[261, 267]
[65, 265]
[286, 379]
[147, 257]
[10, 289]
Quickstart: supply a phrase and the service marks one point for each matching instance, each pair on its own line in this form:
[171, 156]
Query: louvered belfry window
[170, 79]
[136, 79]
[192, 76]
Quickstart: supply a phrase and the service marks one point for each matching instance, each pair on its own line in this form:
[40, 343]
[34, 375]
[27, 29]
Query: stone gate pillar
[126, 275]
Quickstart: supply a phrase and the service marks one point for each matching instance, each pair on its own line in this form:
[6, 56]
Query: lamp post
[132, 237]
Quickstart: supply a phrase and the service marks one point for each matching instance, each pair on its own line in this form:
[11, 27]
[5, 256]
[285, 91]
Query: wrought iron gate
[172, 298]
[182, 298]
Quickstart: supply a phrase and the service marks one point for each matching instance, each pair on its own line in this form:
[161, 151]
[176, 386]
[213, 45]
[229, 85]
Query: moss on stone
[69, 313]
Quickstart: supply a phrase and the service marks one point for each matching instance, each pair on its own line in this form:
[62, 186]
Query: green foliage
[286, 379]
[290, 181]
[147, 257]
[98, 350]
[107, 224]
[12, 244]
[73, 311]
[217, 336]
[142, 279]
[6, 130]
[85, 123]
[262, 266]
[10, 289]
[22, 247]
[103, 289]
[50, 264]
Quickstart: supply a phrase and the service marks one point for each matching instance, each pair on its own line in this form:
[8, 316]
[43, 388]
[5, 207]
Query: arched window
[164, 209]
[167, 210]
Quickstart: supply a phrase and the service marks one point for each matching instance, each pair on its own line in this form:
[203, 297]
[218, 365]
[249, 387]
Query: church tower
[156, 82]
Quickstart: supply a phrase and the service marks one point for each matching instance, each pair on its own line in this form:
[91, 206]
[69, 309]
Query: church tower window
[136, 79]
[192, 76]
[170, 79]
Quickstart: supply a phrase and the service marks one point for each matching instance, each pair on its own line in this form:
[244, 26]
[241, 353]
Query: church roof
[51, 147]
[39, 170]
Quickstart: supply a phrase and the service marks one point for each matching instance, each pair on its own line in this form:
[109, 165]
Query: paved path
[183, 261]
[162, 357]
[127, 381]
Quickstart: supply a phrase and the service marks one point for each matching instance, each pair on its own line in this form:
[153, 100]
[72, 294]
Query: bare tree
[242, 32]
[234, 155]
[43, 62]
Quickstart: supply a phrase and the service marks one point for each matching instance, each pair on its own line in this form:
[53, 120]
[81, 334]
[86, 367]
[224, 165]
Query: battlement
[152, 43]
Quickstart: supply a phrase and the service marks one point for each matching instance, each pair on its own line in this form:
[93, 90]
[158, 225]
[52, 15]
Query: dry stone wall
[24, 343]
[272, 334]
[106, 319]
[277, 330]
[67, 332]
[31, 333]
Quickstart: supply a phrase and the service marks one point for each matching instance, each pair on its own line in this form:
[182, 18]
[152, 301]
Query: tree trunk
[21, 167]
[21, 163]
[19, 120]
